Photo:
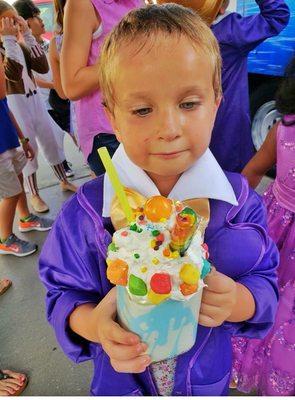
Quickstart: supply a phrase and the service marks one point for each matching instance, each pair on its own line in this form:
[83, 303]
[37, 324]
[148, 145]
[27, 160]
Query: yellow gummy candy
[156, 298]
[189, 274]
[155, 261]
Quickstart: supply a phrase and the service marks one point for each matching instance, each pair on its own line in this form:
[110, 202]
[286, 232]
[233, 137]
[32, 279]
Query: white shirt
[210, 181]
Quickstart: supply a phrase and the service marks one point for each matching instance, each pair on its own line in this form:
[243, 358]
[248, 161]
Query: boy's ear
[112, 120]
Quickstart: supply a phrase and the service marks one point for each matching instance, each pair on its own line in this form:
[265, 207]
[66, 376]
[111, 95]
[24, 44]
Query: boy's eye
[189, 105]
[142, 111]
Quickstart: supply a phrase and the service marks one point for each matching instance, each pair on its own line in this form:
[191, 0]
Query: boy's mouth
[168, 155]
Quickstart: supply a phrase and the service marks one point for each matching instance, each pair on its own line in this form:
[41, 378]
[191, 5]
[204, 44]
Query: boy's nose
[169, 126]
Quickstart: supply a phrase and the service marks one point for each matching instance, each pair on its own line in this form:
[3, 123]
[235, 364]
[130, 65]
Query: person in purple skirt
[268, 365]
[160, 76]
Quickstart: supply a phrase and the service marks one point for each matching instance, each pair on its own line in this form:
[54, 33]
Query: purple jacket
[73, 269]
[231, 141]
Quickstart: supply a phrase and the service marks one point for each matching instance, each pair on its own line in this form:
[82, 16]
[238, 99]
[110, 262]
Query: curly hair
[285, 96]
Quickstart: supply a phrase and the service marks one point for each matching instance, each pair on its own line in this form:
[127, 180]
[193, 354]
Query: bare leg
[22, 204]
[7, 214]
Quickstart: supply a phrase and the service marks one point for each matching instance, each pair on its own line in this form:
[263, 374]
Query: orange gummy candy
[117, 272]
[187, 289]
[157, 208]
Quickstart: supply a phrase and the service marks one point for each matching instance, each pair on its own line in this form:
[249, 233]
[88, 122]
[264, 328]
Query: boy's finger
[120, 335]
[207, 321]
[122, 352]
[217, 282]
[136, 365]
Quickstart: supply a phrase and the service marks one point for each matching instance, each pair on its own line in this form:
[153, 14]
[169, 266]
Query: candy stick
[115, 181]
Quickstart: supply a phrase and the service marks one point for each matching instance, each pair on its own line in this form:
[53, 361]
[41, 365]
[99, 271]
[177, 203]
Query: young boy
[12, 195]
[231, 141]
[161, 83]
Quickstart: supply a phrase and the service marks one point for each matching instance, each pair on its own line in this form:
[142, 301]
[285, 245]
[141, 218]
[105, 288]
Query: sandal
[13, 379]
[4, 285]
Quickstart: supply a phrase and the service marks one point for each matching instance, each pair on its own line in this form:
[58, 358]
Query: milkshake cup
[158, 263]
[169, 329]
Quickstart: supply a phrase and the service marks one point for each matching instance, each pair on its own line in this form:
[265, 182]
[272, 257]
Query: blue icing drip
[168, 316]
[206, 268]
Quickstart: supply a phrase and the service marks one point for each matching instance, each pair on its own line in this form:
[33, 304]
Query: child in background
[268, 365]
[12, 195]
[80, 51]
[25, 101]
[231, 141]
[161, 83]
[60, 113]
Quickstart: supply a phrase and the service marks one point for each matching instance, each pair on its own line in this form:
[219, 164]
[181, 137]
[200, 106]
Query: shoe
[67, 186]
[68, 169]
[35, 223]
[17, 247]
[38, 204]
[7, 378]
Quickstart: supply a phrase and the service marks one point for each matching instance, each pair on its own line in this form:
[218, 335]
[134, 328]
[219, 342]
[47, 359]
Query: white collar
[210, 181]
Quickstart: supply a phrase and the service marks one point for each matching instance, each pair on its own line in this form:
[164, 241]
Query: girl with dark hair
[269, 365]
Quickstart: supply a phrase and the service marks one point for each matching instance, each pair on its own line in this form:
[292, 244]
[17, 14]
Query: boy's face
[165, 104]
[36, 25]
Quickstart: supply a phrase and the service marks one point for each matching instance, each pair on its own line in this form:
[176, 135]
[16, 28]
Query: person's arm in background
[2, 80]
[246, 33]
[263, 160]
[11, 51]
[44, 84]
[80, 21]
[55, 68]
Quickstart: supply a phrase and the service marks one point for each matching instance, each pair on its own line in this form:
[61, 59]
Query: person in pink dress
[86, 24]
[268, 365]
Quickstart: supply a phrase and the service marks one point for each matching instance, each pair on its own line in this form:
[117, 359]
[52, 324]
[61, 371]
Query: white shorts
[12, 163]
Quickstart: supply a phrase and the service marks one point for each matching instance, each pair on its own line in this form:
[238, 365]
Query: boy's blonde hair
[142, 24]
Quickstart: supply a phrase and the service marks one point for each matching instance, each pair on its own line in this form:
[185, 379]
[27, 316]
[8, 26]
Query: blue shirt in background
[8, 134]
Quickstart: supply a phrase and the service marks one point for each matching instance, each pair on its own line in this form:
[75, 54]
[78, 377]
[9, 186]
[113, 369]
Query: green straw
[115, 181]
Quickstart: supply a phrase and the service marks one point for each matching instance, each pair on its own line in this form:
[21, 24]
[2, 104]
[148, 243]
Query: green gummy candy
[137, 286]
[133, 227]
[112, 247]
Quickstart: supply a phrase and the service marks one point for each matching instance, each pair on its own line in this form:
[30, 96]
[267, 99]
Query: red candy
[124, 233]
[161, 283]
[160, 237]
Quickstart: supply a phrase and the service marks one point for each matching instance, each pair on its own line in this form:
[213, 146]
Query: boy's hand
[8, 27]
[24, 27]
[123, 347]
[218, 299]
[29, 152]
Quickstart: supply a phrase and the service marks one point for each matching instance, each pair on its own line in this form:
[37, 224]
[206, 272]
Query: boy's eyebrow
[195, 89]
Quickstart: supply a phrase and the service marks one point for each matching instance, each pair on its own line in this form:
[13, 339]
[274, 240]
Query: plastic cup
[169, 328]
